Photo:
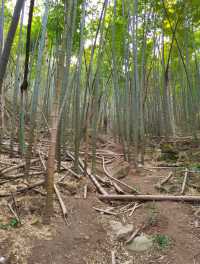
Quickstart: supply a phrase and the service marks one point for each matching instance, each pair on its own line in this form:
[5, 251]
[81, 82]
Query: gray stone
[140, 243]
[121, 231]
[3, 260]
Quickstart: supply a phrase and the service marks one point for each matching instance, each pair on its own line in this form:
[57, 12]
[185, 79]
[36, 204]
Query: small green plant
[12, 223]
[161, 241]
[195, 166]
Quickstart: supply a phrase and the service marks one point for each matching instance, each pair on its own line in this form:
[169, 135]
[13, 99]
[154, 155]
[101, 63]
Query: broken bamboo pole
[62, 205]
[165, 180]
[92, 178]
[113, 257]
[184, 181]
[147, 197]
[118, 181]
[160, 184]
[96, 183]
[117, 188]
[15, 167]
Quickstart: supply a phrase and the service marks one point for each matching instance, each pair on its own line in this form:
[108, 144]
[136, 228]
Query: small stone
[141, 243]
[3, 260]
[121, 231]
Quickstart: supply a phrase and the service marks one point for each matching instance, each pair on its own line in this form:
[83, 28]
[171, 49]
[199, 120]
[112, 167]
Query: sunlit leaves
[55, 24]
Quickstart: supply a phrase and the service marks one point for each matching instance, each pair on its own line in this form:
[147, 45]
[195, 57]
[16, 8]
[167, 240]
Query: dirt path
[82, 241]
[87, 238]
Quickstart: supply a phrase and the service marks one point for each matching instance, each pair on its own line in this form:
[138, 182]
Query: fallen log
[166, 167]
[147, 197]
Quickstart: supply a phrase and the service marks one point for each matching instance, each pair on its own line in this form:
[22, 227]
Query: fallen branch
[143, 197]
[114, 179]
[113, 257]
[37, 184]
[42, 160]
[135, 233]
[62, 205]
[103, 180]
[92, 177]
[81, 164]
[85, 192]
[15, 207]
[184, 181]
[126, 208]
[165, 180]
[21, 190]
[105, 211]
[20, 175]
[72, 172]
[117, 188]
[95, 182]
[15, 167]
[13, 212]
[136, 205]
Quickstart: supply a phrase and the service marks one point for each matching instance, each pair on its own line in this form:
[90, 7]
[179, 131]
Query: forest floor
[88, 237]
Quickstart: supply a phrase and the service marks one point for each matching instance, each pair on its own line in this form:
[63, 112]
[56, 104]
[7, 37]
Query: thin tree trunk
[6, 52]
[52, 144]
[24, 85]
[16, 86]
[1, 25]
[36, 87]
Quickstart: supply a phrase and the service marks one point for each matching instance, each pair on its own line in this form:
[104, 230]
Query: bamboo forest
[99, 131]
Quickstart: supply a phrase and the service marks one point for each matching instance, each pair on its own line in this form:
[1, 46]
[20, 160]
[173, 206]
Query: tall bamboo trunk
[1, 25]
[54, 121]
[6, 53]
